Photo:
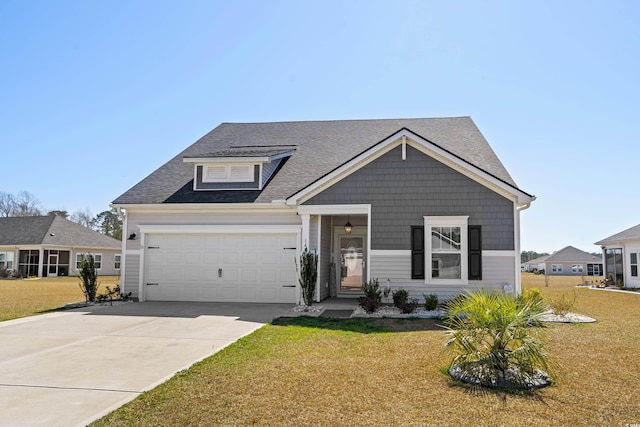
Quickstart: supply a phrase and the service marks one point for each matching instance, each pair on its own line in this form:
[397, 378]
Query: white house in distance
[621, 253]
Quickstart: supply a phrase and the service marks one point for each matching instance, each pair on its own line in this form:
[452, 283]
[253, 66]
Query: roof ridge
[347, 120]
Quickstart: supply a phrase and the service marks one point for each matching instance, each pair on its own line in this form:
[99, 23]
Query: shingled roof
[632, 233]
[571, 254]
[52, 230]
[320, 147]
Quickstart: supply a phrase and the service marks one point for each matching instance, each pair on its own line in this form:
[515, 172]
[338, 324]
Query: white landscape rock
[392, 311]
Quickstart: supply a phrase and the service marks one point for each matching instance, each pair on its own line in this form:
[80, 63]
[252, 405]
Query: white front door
[351, 255]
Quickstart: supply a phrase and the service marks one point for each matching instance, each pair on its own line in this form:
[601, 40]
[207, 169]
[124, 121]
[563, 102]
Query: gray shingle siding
[401, 193]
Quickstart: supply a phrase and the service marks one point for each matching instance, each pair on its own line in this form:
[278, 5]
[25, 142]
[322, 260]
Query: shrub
[410, 306]
[308, 275]
[4, 273]
[372, 296]
[430, 302]
[371, 289]
[563, 305]
[493, 344]
[368, 304]
[89, 284]
[400, 297]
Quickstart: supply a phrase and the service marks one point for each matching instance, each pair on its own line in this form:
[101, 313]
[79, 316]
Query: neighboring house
[536, 264]
[621, 253]
[422, 204]
[50, 246]
[570, 261]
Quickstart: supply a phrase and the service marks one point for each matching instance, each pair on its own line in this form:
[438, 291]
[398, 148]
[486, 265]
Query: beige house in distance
[570, 261]
[51, 246]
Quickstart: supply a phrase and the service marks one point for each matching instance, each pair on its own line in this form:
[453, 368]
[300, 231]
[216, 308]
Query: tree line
[26, 204]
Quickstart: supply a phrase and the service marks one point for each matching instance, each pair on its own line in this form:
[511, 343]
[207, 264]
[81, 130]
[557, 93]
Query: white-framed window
[117, 258]
[446, 249]
[228, 173]
[556, 268]
[633, 263]
[6, 260]
[97, 260]
[577, 268]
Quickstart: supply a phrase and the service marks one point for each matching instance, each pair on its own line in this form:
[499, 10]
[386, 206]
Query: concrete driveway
[70, 368]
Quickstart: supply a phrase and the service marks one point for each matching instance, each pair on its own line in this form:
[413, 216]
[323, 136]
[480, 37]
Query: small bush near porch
[28, 297]
[372, 372]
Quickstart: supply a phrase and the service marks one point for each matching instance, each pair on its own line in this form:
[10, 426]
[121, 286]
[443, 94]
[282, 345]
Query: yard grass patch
[371, 372]
[28, 297]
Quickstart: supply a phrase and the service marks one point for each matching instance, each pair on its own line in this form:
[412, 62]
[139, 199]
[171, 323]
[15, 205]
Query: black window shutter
[475, 252]
[417, 252]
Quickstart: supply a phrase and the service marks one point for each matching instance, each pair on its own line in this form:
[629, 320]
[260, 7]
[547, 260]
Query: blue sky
[97, 95]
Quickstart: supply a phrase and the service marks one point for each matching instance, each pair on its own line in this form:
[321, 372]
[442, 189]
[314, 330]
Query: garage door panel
[254, 267]
[249, 276]
[269, 275]
[231, 257]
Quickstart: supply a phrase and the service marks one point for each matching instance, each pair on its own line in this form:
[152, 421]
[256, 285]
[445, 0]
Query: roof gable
[405, 137]
[320, 148]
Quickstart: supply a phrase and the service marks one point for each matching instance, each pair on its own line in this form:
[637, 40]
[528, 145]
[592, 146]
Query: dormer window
[237, 168]
[228, 173]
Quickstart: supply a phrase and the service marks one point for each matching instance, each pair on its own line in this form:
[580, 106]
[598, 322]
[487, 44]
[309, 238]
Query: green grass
[372, 372]
[28, 297]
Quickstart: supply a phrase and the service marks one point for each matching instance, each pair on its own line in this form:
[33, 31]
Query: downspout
[518, 273]
[123, 257]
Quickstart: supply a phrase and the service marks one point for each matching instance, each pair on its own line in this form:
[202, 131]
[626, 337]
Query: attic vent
[214, 173]
[240, 173]
[228, 173]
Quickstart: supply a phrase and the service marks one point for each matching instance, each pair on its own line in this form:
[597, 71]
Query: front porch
[340, 236]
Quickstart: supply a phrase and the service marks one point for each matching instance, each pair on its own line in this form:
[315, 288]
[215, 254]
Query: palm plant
[494, 343]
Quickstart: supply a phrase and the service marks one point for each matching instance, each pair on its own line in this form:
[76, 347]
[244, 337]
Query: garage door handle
[289, 248]
[288, 286]
[153, 284]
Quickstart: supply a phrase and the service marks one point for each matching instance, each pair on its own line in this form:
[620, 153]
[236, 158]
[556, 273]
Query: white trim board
[219, 229]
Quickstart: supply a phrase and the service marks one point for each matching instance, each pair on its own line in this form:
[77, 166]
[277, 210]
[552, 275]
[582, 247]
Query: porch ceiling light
[348, 227]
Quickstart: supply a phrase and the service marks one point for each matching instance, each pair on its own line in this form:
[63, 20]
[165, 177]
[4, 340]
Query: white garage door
[220, 267]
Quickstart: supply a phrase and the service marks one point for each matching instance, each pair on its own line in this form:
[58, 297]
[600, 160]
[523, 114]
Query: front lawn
[355, 372]
[28, 297]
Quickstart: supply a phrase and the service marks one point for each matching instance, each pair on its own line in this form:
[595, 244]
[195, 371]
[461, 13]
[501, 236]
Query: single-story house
[535, 264]
[50, 246]
[621, 253]
[419, 204]
[570, 261]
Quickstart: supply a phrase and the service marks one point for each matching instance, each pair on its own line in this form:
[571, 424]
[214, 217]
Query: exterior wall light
[348, 227]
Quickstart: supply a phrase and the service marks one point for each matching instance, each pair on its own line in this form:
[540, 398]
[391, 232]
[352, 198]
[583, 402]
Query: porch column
[319, 252]
[306, 227]
[40, 260]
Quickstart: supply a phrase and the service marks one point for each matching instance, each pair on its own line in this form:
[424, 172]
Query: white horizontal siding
[132, 275]
[395, 266]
